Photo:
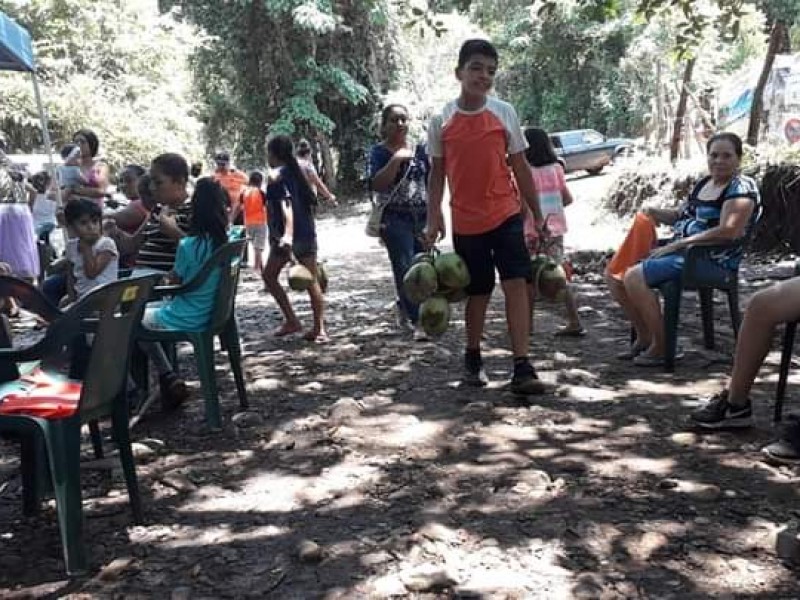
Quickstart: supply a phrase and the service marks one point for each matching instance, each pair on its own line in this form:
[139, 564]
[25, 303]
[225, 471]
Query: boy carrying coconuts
[476, 142]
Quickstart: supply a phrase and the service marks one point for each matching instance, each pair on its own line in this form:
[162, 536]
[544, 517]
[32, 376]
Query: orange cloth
[638, 244]
[43, 396]
[255, 211]
[233, 181]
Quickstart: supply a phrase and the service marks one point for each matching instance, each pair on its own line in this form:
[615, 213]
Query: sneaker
[786, 450]
[419, 334]
[718, 413]
[474, 375]
[526, 382]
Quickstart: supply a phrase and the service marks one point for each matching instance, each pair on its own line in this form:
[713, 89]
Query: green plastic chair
[226, 259]
[48, 426]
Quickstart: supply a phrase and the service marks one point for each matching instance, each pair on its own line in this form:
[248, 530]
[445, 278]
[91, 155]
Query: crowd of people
[508, 198]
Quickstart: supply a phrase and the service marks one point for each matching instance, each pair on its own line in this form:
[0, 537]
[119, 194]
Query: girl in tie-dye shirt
[554, 195]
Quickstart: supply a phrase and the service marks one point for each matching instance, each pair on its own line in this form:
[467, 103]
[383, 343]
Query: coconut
[452, 271]
[453, 296]
[552, 281]
[434, 315]
[420, 282]
[300, 278]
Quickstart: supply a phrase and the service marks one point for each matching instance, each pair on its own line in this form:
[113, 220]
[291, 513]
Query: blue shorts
[670, 268]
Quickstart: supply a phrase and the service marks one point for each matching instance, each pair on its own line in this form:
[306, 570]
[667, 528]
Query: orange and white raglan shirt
[475, 146]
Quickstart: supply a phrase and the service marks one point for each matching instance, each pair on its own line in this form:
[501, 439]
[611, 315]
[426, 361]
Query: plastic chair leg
[706, 296]
[733, 308]
[672, 310]
[786, 361]
[33, 467]
[122, 438]
[230, 340]
[204, 353]
[63, 439]
[97, 439]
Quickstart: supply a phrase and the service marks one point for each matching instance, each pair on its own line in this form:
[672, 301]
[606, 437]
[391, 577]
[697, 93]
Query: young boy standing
[476, 142]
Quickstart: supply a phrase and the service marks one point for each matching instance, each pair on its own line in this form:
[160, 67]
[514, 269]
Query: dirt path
[395, 483]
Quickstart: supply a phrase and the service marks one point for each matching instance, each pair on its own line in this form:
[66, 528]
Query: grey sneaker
[786, 450]
[718, 413]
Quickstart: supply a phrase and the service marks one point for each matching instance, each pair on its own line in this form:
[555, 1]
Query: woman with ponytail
[292, 235]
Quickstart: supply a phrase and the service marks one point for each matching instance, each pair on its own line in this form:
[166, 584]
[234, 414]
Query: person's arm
[127, 244]
[128, 218]
[736, 213]
[169, 227]
[317, 182]
[101, 177]
[662, 216]
[527, 189]
[93, 264]
[435, 227]
[566, 194]
[288, 223]
[236, 208]
[384, 178]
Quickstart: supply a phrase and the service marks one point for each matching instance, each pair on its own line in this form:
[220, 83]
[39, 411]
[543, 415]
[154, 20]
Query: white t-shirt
[84, 285]
[43, 211]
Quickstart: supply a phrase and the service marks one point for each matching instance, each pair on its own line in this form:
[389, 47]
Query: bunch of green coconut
[549, 278]
[434, 281]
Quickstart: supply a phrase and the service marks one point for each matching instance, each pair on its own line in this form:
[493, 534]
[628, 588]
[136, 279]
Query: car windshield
[593, 137]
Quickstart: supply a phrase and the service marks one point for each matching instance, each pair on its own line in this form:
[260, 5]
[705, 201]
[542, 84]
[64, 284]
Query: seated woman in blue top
[292, 234]
[722, 208]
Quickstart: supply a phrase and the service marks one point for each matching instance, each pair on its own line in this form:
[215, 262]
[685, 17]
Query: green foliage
[310, 68]
[113, 67]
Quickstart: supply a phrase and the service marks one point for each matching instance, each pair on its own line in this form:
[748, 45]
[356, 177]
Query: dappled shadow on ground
[409, 484]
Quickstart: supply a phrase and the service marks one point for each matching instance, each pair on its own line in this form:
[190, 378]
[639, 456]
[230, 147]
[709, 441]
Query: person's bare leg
[272, 271]
[777, 304]
[475, 319]
[571, 306]
[258, 260]
[517, 315]
[617, 289]
[531, 304]
[647, 308]
[317, 332]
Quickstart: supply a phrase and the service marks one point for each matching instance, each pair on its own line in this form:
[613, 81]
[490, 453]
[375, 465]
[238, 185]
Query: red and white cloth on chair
[40, 394]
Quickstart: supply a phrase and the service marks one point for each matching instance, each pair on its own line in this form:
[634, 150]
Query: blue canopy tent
[16, 54]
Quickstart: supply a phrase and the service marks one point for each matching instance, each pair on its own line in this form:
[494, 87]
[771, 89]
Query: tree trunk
[678, 127]
[777, 37]
[661, 124]
[328, 166]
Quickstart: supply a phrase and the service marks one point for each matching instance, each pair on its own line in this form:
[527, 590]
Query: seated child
[94, 260]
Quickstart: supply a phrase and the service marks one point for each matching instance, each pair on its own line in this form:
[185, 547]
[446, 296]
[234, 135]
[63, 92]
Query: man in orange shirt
[232, 180]
[476, 142]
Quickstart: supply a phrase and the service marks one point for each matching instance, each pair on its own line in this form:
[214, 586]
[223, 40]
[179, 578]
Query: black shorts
[502, 248]
[300, 248]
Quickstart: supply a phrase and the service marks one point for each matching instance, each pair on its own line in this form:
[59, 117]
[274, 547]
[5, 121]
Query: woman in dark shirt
[292, 234]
